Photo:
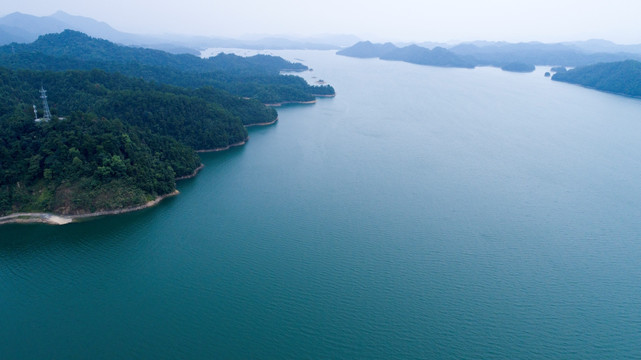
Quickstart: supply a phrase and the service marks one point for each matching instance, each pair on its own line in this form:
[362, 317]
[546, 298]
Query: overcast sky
[396, 20]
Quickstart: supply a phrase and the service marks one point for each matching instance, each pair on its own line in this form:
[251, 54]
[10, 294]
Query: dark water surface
[422, 213]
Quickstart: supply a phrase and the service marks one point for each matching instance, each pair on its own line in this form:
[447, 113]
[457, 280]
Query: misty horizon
[405, 22]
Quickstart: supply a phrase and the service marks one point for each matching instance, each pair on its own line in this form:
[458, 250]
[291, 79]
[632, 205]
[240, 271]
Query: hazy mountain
[413, 54]
[367, 49]
[508, 56]
[619, 77]
[26, 28]
[437, 57]
[96, 28]
[9, 34]
[604, 46]
[432, 44]
[31, 26]
[23, 28]
[586, 46]
[501, 53]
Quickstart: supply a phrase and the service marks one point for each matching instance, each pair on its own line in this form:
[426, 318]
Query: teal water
[423, 213]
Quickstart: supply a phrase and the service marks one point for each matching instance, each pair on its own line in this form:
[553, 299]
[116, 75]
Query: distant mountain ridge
[413, 54]
[23, 28]
[29, 27]
[79, 46]
[537, 53]
[436, 57]
[503, 55]
[585, 46]
[367, 49]
[623, 78]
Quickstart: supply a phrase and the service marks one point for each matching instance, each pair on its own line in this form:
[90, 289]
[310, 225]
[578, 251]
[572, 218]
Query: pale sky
[398, 20]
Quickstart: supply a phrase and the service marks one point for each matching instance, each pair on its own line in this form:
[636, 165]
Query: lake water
[423, 213]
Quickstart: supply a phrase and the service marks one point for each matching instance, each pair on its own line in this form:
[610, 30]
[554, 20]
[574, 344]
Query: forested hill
[503, 55]
[618, 77]
[536, 53]
[423, 56]
[412, 54]
[255, 77]
[122, 141]
[77, 45]
[200, 118]
[367, 49]
[125, 121]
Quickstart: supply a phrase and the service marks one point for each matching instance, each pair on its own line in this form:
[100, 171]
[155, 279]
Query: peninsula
[622, 78]
[117, 126]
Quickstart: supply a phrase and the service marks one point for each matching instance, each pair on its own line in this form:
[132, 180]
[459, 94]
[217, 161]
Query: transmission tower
[45, 105]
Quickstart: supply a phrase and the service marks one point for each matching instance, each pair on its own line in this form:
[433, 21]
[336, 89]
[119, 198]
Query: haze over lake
[422, 213]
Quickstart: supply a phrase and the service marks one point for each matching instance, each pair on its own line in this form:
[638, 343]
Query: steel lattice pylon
[43, 96]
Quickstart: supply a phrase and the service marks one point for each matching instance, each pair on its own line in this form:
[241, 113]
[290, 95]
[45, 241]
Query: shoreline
[291, 102]
[196, 171]
[302, 102]
[600, 90]
[53, 219]
[263, 123]
[240, 143]
[56, 219]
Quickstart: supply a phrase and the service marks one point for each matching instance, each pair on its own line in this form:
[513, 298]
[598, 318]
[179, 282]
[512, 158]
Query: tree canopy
[622, 77]
[125, 121]
[257, 77]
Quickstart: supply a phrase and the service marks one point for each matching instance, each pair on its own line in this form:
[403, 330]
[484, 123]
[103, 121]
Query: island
[518, 67]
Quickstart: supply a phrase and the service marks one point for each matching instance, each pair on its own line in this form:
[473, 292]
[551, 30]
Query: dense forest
[125, 121]
[257, 77]
[168, 110]
[619, 77]
[85, 163]
[121, 141]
